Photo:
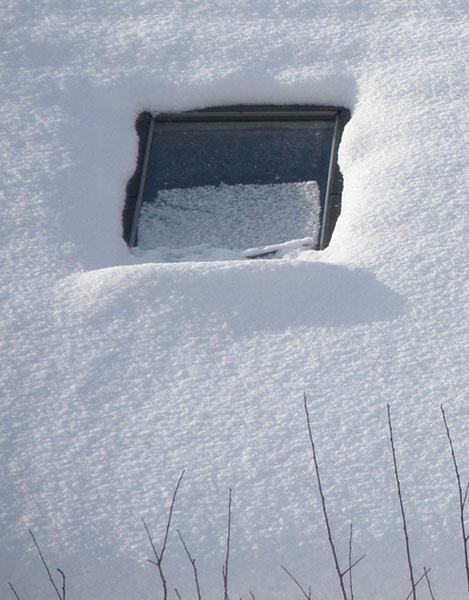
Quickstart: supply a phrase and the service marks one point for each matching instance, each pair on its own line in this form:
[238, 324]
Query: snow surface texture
[116, 373]
[234, 217]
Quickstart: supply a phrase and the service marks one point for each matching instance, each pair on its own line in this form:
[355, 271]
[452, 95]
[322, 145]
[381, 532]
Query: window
[246, 178]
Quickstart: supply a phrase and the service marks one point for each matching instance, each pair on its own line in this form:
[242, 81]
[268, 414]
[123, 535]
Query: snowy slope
[118, 373]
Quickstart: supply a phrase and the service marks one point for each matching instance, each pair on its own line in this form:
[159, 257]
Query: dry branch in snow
[413, 586]
[462, 496]
[340, 574]
[159, 556]
[194, 568]
[227, 557]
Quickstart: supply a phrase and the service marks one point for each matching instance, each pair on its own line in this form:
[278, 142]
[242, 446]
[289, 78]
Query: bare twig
[63, 582]
[465, 494]
[252, 595]
[323, 502]
[295, 580]
[159, 556]
[15, 593]
[401, 503]
[425, 573]
[462, 497]
[168, 524]
[178, 594]
[421, 578]
[350, 561]
[157, 563]
[43, 560]
[192, 561]
[353, 565]
[227, 557]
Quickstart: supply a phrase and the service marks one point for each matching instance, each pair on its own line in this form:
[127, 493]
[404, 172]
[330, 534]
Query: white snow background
[117, 374]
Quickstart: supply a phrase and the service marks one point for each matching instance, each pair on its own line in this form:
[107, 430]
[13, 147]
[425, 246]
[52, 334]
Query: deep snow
[117, 372]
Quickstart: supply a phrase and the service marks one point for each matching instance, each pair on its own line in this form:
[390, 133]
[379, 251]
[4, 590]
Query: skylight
[243, 179]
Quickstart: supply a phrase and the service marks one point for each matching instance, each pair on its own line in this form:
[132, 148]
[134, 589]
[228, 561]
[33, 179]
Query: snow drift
[118, 372]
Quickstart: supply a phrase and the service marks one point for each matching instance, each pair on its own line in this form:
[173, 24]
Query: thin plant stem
[168, 523]
[401, 503]
[192, 561]
[430, 591]
[159, 556]
[227, 556]
[462, 497]
[15, 593]
[421, 578]
[350, 561]
[298, 584]
[323, 502]
[43, 560]
[62, 574]
[348, 569]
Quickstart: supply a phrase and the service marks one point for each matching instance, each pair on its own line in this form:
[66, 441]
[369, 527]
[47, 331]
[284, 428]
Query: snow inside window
[234, 179]
[235, 217]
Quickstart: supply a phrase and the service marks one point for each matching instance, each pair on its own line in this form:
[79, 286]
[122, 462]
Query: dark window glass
[234, 179]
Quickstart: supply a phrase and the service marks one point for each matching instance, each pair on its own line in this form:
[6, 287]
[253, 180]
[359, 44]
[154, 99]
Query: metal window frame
[146, 123]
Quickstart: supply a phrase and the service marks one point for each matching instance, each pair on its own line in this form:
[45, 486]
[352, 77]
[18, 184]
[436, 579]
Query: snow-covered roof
[118, 372]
